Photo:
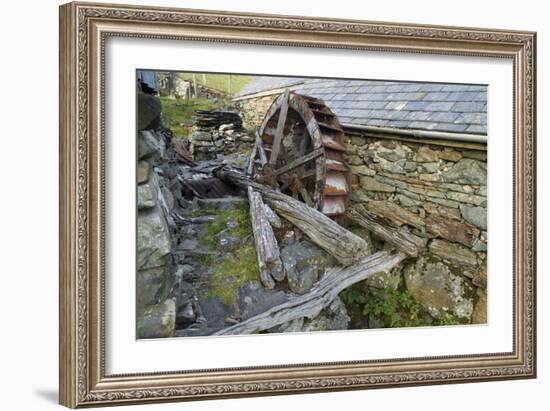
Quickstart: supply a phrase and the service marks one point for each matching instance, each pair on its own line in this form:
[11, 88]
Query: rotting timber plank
[256, 222]
[395, 214]
[272, 217]
[400, 237]
[269, 257]
[321, 295]
[342, 244]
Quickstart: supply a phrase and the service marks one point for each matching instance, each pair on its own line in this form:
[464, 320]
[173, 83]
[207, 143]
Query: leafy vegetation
[237, 266]
[227, 83]
[387, 308]
[177, 114]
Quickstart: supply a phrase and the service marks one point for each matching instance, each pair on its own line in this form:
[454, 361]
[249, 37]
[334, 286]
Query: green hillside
[220, 82]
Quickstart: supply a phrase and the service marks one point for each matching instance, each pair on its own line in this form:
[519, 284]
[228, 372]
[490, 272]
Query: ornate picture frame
[84, 29]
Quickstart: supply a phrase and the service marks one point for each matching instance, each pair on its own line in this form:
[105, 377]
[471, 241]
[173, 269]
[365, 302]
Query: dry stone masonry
[217, 132]
[156, 310]
[253, 110]
[439, 194]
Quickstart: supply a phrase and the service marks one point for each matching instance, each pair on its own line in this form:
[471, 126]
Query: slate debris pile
[207, 120]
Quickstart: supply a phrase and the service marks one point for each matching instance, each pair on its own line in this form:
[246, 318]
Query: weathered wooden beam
[256, 222]
[269, 257]
[280, 128]
[456, 231]
[395, 214]
[320, 296]
[342, 244]
[272, 253]
[400, 237]
[272, 217]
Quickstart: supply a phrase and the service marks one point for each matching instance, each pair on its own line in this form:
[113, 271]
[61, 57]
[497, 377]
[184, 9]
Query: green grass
[239, 214]
[219, 82]
[177, 114]
[237, 266]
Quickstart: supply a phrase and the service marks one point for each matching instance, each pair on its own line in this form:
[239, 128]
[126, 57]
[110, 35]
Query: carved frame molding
[84, 27]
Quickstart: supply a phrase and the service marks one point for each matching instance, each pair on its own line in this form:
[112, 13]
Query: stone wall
[156, 309]
[253, 110]
[438, 193]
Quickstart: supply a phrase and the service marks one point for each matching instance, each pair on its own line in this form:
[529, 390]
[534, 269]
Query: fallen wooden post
[321, 295]
[400, 237]
[269, 258]
[342, 244]
[395, 214]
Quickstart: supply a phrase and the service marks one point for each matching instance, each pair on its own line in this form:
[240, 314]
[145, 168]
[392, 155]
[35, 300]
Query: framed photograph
[260, 204]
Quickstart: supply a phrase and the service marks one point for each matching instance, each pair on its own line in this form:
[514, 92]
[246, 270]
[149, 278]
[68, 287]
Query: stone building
[417, 154]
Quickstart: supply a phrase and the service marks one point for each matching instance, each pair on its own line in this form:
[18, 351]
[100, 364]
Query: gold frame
[83, 30]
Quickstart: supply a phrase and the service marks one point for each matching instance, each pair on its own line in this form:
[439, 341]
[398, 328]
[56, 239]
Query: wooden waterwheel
[299, 150]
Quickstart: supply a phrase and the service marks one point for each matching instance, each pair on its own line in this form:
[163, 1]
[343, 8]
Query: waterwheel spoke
[306, 196]
[260, 149]
[250, 166]
[300, 161]
[284, 186]
[280, 127]
[308, 173]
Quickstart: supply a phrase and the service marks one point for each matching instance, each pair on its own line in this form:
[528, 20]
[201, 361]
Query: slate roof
[265, 83]
[421, 106]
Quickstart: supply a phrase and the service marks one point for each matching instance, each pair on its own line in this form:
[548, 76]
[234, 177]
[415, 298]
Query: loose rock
[439, 290]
